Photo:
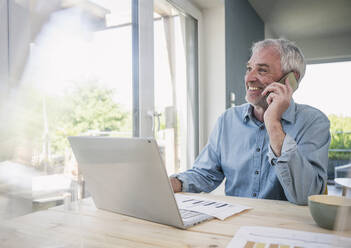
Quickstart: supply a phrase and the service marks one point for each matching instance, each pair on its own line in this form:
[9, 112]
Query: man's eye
[262, 70]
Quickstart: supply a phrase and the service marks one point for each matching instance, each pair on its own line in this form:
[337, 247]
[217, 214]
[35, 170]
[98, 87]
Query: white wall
[212, 93]
[213, 104]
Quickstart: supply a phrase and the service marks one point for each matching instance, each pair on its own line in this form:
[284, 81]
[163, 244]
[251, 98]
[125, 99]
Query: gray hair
[291, 57]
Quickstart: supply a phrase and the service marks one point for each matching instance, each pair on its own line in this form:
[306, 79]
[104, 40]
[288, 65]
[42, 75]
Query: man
[271, 147]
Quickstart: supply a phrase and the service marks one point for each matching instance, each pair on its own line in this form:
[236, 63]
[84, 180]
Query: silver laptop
[127, 176]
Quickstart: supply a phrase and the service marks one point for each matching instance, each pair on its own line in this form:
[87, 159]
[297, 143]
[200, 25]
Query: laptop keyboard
[191, 218]
[186, 214]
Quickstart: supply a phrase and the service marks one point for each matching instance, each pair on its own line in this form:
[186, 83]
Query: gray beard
[262, 103]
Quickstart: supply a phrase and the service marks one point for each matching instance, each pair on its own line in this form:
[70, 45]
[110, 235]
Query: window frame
[146, 74]
[4, 48]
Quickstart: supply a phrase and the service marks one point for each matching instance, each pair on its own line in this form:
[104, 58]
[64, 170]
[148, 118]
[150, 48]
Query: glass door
[175, 85]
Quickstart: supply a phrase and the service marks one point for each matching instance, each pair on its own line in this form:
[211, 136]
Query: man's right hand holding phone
[278, 102]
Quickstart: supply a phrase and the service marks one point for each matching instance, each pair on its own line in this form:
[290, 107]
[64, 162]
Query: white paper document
[218, 209]
[266, 237]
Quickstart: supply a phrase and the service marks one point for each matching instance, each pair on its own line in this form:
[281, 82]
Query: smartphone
[292, 80]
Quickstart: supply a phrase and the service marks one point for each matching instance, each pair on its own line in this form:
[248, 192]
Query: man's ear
[297, 75]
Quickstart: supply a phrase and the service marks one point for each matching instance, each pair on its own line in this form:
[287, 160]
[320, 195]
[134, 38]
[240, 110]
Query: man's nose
[251, 76]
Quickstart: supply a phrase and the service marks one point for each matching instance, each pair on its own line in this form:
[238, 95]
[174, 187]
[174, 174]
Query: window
[90, 68]
[326, 88]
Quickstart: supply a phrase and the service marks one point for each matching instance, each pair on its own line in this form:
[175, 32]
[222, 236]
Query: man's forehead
[264, 57]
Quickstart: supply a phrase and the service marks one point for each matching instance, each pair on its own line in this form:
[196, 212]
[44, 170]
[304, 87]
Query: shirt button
[258, 149]
[254, 194]
[257, 172]
[273, 161]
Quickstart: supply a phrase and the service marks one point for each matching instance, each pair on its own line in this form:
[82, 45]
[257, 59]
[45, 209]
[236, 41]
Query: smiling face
[263, 68]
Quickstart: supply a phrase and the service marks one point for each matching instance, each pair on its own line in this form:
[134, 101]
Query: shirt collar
[288, 115]
[247, 113]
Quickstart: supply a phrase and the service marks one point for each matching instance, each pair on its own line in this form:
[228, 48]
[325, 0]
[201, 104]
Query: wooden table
[86, 226]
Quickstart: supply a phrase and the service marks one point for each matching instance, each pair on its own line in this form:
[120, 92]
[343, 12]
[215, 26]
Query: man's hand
[279, 97]
[278, 102]
[176, 184]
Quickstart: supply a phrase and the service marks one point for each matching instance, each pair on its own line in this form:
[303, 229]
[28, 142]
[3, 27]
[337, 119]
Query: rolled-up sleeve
[302, 166]
[206, 173]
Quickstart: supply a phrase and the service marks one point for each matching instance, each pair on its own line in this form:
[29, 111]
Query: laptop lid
[127, 176]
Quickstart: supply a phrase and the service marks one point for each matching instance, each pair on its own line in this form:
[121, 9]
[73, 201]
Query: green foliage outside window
[35, 121]
[340, 130]
[87, 107]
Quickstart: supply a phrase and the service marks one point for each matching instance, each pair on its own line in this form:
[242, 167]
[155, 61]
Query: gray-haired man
[270, 147]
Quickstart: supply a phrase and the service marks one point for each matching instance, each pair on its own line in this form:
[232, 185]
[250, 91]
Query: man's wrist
[176, 183]
[276, 137]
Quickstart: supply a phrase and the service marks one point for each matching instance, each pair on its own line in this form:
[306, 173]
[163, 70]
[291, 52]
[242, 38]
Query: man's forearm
[276, 137]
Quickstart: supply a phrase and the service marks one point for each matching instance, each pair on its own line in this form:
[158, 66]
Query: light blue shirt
[238, 149]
